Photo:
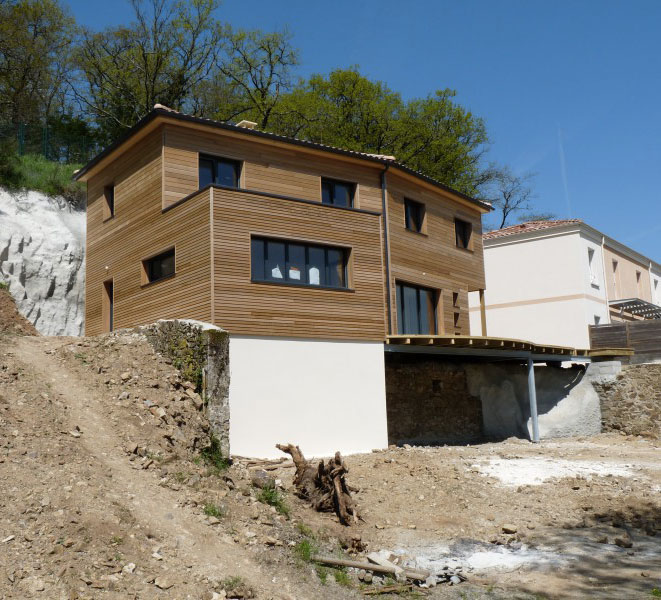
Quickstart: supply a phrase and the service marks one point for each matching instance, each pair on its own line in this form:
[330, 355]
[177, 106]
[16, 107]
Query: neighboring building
[548, 280]
[310, 256]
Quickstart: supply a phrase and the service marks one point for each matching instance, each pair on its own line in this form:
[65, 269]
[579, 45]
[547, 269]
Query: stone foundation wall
[428, 402]
[631, 400]
[201, 352]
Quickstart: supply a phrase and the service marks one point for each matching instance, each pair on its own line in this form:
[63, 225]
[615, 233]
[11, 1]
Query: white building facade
[547, 281]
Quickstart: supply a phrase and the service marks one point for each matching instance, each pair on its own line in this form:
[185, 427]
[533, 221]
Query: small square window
[414, 215]
[108, 202]
[463, 231]
[220, 171]
[158, 267]
[337, 193]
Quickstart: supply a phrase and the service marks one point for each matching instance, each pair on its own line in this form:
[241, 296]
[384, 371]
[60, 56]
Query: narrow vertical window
[107, 305]
[414, 215]
[594, 279]
[463, 231]
[109, 202]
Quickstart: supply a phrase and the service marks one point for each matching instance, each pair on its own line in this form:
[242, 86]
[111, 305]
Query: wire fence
[54, 143]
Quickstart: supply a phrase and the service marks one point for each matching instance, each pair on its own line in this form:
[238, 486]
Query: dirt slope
[11, 321]
[104, 493]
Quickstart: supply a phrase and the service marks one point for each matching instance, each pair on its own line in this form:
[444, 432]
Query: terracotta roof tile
[529, 226]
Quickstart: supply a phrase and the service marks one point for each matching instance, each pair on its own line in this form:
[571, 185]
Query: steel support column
[532, 396]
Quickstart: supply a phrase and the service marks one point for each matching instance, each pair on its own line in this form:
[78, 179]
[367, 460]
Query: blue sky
[584, 74]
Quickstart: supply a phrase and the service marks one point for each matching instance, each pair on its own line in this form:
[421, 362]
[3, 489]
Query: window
[221, 171]
[338, 193]
[657, 299]
[109, 201]
[158, 267]
[298, 263]
[594, 279]
[416, 310]
[597, 319]
[414, 215]
[462, 231]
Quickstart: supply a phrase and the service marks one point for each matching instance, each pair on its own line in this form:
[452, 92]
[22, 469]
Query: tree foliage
[35, 54]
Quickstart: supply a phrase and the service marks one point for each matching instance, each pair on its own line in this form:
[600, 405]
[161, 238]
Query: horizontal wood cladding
[244, 307]
[116, 247]
[265, 167]
[432, 259]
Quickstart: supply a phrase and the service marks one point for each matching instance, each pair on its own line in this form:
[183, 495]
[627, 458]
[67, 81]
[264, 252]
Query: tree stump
[323, 486]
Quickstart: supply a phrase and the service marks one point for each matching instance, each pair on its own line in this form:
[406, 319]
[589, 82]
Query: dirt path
[154, 508]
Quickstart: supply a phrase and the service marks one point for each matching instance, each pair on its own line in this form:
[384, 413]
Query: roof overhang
[637, 307]
[159, 116]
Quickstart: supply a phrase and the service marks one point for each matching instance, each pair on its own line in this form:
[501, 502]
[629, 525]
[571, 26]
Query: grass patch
[322, 573]
[305, 550]
[342, 577]
[116, 540]
[272, 497]
[656, 593]
[34, 172]
[213, 457]
[305, 530]
[231, 584]
[213, 510]
[4, 286]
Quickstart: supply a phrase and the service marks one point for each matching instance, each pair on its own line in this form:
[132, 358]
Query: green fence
[53, 143]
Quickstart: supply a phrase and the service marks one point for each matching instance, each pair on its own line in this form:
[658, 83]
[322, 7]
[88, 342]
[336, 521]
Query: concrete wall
[624, 283]
[567, 404]
[321, 395]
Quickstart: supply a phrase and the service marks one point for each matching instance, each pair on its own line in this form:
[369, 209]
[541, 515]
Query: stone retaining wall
[631, 400]
[201, 352]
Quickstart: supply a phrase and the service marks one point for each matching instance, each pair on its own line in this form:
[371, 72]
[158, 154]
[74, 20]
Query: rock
[431, 581]
[128, 568]
[509, 528]
[368, 578]
[361, 574]
[125, 376]
[455, 580]
[601, 539]
[162, 583]
[32, 585]
[271, 541]
[261, 479]
[157, 411]
[9, 538]
[623, 541]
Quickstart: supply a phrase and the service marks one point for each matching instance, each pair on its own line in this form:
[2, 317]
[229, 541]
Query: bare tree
[510, 193]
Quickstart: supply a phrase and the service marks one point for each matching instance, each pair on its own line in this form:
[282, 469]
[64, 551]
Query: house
[309, 256]
[547, 281]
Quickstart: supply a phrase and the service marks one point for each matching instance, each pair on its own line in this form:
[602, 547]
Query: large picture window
[296, 263]
[416, 310]
[221, 171]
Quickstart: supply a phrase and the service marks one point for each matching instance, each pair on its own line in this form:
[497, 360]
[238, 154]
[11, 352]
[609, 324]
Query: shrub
[213, 510]
[213, 456]
[269, 495]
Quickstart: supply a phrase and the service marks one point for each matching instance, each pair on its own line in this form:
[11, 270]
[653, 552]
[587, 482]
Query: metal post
[532, 395]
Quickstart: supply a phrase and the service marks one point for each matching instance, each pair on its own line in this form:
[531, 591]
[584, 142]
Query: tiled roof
[529, 226]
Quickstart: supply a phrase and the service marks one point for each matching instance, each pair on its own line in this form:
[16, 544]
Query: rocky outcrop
[42, 260]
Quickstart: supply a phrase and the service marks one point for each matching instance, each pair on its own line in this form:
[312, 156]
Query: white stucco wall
[542, 289]
[655, 285]
[323, 396]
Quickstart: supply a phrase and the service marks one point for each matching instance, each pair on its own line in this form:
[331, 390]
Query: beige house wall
[630, 279]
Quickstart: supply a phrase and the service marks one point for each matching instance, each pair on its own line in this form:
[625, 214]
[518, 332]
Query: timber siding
[431, 259]
[158, 206]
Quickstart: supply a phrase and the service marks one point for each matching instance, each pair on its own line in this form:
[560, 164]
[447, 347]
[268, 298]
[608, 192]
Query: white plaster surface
[42, 259]
[323, 396]
[536, 471]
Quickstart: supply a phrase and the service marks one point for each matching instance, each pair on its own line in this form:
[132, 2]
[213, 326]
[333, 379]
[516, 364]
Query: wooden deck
[501, 344]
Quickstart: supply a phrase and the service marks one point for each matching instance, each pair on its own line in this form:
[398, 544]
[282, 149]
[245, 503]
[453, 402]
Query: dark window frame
[463, 234]
[237, 165]
[109, 201]
[148, 275]
[401, 307]
[334, 182]
[344, 251]
[410, 222]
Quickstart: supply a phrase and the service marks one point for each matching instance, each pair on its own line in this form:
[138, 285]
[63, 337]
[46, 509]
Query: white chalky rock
[42, 259]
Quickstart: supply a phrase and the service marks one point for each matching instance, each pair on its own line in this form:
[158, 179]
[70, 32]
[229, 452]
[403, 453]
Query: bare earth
[103, 495]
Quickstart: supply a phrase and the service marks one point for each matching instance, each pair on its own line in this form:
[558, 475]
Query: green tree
[161, 57]
[35, 58]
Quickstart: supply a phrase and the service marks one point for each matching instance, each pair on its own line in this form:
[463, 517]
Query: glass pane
[326, 192]
[167, 264]
[342, 194]
[275, 261]
[296, 263]
[335, 264]
[400, 310]
[257, 259]
[227, 173]
[427, 316]
[206, 172]
[410, 307]
[316, 266]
